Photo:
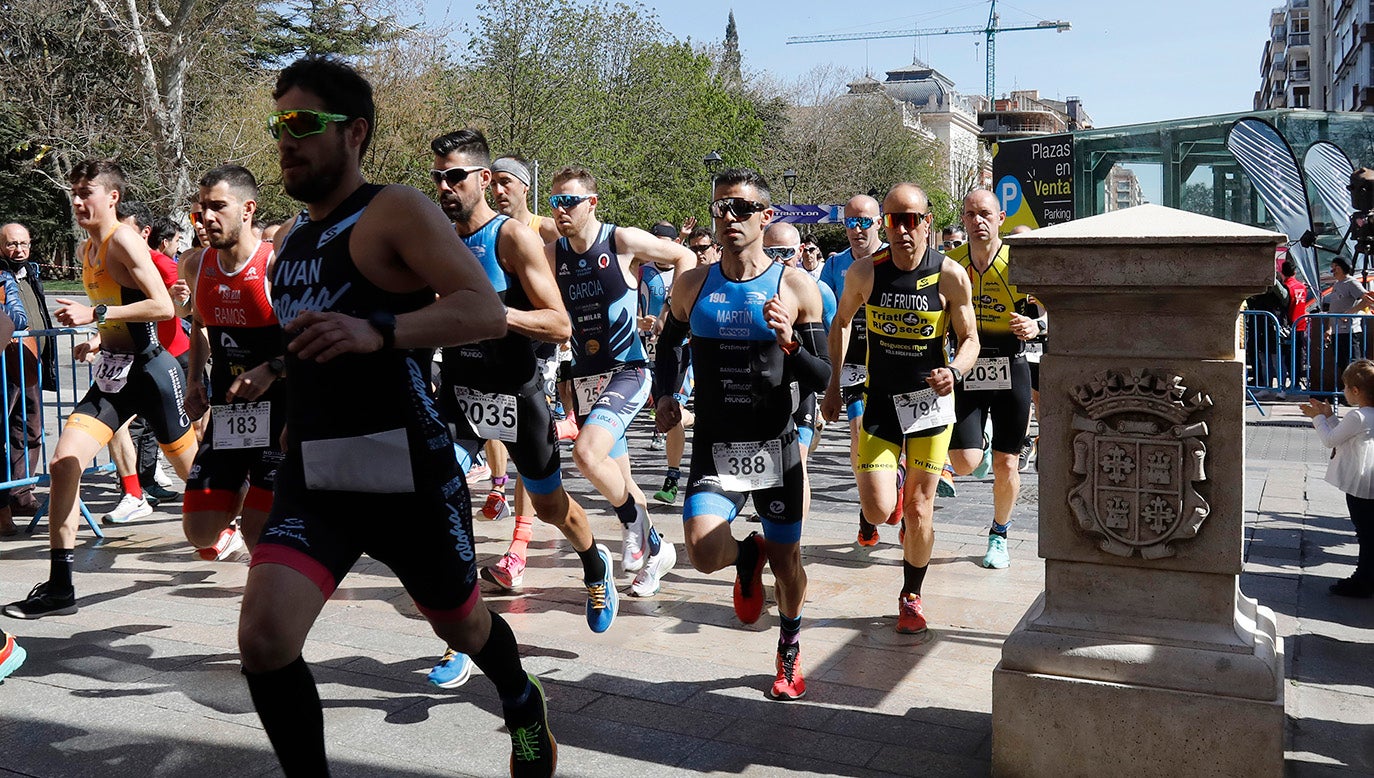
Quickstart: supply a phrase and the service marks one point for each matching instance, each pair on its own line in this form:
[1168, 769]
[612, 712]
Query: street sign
[809, 214]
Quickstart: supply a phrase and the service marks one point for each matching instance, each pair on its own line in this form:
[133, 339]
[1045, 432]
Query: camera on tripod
[1362, 219]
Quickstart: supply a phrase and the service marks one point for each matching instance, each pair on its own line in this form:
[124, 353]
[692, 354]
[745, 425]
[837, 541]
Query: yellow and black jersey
[134, 337]
[995, 299]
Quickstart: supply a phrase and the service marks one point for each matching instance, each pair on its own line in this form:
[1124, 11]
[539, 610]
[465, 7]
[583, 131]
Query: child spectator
[1352, 466]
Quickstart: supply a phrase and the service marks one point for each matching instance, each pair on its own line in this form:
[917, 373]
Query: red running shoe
[790, 684]
[911, 618]
[749, 596]
[868, 533]
[896, 516]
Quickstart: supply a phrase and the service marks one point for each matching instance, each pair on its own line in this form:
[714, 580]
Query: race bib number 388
[744, 467]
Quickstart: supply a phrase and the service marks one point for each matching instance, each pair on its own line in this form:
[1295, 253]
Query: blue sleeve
[14, 304]
[828, 276]
[828, 306]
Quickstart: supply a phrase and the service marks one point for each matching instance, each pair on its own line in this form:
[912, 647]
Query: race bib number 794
[917, 411]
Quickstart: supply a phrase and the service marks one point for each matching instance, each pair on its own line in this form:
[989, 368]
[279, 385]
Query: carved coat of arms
[1140, 460]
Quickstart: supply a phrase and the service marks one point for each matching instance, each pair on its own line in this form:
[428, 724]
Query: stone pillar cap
[1146, 224]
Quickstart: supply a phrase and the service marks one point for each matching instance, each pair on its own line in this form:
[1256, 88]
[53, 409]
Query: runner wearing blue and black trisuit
[757, 341]
[595, 265]
[494, 390]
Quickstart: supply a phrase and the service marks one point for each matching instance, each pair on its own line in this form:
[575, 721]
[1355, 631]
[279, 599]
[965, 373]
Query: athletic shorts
[535, 449]
[853, 398]
[1034, 375]
[155, 390]
[928, 454]
[779, 507]
[618, 404]
[1009, 409]
[425, 537]
[228, 469]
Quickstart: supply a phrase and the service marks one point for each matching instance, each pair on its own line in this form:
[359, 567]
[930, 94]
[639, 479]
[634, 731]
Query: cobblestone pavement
[144, 680]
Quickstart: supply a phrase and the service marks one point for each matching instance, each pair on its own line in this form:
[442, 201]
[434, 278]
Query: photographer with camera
[1344, 341]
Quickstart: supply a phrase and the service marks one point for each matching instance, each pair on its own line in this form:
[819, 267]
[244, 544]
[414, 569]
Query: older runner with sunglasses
[912, 297]
[861, 228]
[596, 265]
[757, 338]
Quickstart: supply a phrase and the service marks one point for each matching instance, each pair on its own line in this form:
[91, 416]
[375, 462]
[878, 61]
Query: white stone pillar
[1141, 657]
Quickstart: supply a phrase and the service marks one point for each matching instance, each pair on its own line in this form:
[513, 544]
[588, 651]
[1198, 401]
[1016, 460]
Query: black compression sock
[674, 473]
[628, 512]
[747, 557]
[60, 562]
[593, 566]
[499, 660]
[999, 529]
[913, 577]
[289, 707]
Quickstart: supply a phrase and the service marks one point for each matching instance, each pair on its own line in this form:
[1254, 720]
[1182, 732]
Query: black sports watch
[954, 371]
[384, 322]
[100, 311]
[277, 365]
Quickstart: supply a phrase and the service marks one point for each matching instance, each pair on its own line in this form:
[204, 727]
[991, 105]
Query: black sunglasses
[737, 207]
[454, 175]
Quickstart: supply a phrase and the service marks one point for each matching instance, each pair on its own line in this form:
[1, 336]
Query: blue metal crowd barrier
[21, 374]
[1305, 358]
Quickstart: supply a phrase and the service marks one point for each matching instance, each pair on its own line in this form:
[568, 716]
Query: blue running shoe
[11, 657]
[997, 557]
[453, 670]
[603, 601]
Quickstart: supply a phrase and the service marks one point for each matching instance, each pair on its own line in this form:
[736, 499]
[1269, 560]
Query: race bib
[744, 467]
[989, 373]
[918, 411]
[587, 389]
[242, 425]
[492, 416]
[1034, 347]
[853, 375]
[112, 370]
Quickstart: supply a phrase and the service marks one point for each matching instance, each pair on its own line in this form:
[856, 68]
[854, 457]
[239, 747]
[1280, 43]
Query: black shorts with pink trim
[425, 537]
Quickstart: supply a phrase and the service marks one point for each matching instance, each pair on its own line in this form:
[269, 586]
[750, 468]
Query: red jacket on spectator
[170, 333]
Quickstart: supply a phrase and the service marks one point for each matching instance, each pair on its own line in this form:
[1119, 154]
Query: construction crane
[993, 27]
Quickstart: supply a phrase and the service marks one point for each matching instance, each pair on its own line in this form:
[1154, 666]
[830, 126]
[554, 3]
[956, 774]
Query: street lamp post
[713, 162]
[789, 180]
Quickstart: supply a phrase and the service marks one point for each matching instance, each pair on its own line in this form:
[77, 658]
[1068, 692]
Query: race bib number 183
[242, 425]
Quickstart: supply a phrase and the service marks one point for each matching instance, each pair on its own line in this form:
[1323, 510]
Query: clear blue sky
[1129, 61]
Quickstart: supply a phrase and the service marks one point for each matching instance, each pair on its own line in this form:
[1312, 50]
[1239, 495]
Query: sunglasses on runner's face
[907, 220]
[737, 207]
[454, 175]
[566, 202]
[780, 253]
[858, 222]
[301, 123]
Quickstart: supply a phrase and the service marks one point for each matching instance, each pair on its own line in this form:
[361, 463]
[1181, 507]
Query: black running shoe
[533, 751]
[39, 604]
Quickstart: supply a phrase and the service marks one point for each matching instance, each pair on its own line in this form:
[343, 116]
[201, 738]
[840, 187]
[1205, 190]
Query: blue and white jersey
[602, 306]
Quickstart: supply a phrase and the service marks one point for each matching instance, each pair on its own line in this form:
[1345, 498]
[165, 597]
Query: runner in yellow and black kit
[999, 385]
[914, 297]
[133, 374]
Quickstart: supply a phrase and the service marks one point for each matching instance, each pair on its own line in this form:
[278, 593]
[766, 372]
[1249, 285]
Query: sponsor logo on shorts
[776, 508]
[292, 529]
[462, 542]
[593, 346]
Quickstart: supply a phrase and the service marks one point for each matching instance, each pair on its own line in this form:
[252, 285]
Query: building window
[1302, 97]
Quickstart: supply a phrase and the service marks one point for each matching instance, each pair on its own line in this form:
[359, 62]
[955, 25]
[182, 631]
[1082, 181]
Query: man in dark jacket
[31, 366]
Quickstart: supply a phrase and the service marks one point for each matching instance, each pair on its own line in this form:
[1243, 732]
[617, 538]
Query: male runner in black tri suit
[757, 338]
[355, 287]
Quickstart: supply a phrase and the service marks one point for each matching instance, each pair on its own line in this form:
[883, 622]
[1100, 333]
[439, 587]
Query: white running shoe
[646, 583]
[160, 476]
[633, 539]
[477, 474]
[229, 541]
[128, 509]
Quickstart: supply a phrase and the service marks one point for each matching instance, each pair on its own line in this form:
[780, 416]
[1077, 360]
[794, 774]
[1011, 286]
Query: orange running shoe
[911, 618]
[790, 683]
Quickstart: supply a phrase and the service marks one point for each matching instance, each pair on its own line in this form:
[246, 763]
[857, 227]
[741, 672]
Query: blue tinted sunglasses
[566, 202]
[861, 222]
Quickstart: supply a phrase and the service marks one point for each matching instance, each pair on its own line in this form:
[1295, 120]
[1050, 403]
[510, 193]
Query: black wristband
[384, 322]
[954, 371]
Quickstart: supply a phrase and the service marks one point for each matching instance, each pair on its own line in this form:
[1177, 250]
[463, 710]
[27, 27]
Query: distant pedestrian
[1352, 466]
